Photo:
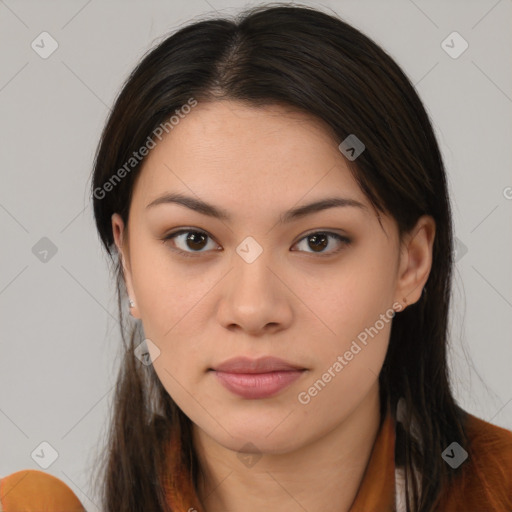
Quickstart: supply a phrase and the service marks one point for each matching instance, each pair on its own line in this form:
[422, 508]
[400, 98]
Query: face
[316, 290]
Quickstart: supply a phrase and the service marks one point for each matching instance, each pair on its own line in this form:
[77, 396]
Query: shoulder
[490, 445]
[485, 476]
[32, 490]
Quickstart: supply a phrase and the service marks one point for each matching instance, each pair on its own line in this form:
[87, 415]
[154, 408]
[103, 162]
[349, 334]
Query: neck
[324, 474]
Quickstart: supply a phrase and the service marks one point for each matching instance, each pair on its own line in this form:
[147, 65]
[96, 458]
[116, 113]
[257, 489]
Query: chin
[259, 438]
[259, 444]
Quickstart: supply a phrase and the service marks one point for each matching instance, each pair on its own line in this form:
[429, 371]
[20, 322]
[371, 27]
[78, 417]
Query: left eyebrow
[205, 208]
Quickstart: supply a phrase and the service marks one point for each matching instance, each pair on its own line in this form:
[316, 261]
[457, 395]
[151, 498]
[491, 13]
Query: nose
[255, 298]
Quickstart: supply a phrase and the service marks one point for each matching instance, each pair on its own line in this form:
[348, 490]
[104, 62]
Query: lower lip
[257, 385]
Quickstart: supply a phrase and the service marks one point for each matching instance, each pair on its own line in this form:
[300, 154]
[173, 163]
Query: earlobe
[416, 261]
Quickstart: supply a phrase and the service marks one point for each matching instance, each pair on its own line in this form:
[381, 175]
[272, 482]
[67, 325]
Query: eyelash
[193, 254]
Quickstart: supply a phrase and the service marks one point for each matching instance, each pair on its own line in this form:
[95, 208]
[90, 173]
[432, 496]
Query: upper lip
[261, 365]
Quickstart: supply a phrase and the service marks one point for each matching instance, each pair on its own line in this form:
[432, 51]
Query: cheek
[168, 293]
[168, 301]
[347, 369]
[348, 299]
[356, 310]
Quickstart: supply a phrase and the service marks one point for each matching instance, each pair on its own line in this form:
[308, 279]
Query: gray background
[59, 334]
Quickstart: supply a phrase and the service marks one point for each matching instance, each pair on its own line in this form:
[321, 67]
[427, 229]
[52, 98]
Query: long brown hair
[303, 58]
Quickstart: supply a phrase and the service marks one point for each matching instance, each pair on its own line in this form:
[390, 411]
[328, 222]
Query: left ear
[415, 261]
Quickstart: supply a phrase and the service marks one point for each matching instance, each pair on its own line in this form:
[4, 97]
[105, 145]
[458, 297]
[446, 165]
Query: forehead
[227, 151]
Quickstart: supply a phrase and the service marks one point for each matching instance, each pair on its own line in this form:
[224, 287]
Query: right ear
[120, 239]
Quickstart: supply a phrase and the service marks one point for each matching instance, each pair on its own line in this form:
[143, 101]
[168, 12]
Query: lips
[261, 365]
[257, 378]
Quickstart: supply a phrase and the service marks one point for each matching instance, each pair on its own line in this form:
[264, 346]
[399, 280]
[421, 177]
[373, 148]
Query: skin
[291, 302]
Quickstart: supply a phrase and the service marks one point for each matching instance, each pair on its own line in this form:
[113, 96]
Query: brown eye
[319, 240]
[189, 241]
[195, 240]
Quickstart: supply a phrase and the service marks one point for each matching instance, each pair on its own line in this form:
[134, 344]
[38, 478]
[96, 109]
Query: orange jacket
[485, 484]
[31, 490]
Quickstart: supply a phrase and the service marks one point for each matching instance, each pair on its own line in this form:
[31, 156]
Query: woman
[275, 204]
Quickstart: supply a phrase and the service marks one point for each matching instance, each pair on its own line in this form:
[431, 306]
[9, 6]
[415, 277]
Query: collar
[376, 491]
